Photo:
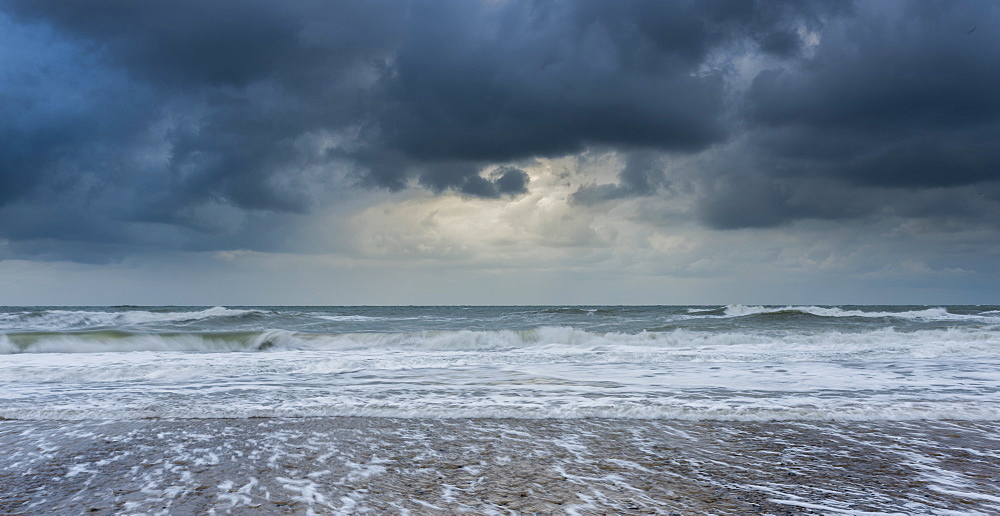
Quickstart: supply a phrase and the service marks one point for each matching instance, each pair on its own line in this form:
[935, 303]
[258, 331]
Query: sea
[725, 409]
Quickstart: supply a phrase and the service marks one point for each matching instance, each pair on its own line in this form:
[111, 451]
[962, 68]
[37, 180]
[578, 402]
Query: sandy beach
[349, 465]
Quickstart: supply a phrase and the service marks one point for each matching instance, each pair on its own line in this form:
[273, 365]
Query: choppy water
[745, 363]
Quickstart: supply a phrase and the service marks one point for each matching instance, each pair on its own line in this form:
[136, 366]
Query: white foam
[701, 310]
[746, 372]
[676, 345]
[829, 509]
[967, 494]
[928, 314]
[346, 318]
[57, 320]
[474, 384]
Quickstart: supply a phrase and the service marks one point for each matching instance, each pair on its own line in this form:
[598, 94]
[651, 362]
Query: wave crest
[675, 345]
[55, 320]
[927, 314]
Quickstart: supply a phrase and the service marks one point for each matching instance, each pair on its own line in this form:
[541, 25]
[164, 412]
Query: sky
[337, 152]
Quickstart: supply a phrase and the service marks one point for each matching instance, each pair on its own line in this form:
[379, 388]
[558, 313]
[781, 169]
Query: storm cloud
[142, 126]
[897, 98]
[643, 174]
[900, 97]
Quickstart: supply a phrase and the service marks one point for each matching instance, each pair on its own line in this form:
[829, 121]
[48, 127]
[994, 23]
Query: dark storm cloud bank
[894, 112]
[184, 124]
[901, 98]
[896, 100]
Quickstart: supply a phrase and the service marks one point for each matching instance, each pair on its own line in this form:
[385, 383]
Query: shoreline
[354, 464]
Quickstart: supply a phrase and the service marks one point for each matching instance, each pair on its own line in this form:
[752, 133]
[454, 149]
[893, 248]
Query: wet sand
[348, 465]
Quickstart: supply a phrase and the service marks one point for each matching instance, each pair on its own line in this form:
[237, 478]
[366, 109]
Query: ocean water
[706, 362]
[501, 410]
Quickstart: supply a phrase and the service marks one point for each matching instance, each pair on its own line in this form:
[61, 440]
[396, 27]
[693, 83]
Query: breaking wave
[42, 320]
[682, 344]
[927, 314]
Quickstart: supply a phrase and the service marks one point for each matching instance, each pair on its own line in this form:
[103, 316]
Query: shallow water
[499, 466]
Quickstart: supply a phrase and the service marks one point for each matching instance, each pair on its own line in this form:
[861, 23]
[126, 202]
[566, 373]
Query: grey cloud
[896, 96]
[248, 79]
[643, 174]
[190, 104]
[753, 200]
[510, 181]
[465, 178]
[748, 194]
[781, 43]
[132, 117]
[525, 79]
[174, 111]
[901, 96]
[191, 43]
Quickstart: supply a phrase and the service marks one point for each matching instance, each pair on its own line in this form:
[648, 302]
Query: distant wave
[676, 345]
[567, 310]
[81, 319]
[927, 314]
[627, 319]
[345, 318]
[706, 310]
[573, 310]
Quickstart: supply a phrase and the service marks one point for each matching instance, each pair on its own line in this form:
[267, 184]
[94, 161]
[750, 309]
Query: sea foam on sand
[348, 465]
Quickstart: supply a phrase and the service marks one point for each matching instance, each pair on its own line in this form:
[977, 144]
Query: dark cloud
[900, 96]
[465, 178]
[510, 181]
[893, 104]
[130, 120]
[189, 124]
[505, 181]
[522, 79]
[544, 81]
[754, 200]
[234, 87]
[188, 43]
[188, 105]
[781, 43]
[643, 174]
